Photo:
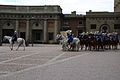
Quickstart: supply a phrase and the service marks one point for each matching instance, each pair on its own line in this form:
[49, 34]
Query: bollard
[0, 41]
[27, 43]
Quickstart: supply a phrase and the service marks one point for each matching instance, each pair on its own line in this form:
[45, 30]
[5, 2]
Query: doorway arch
[105, 28]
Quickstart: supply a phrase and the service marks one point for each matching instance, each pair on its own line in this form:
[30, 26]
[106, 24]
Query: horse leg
[90, 47]
[78, 47]
[18, 47]
[23, 44]
[81, 47]
[12, 47]
[24, 47]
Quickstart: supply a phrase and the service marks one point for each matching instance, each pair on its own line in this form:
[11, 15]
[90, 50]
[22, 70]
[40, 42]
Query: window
[38, 36]
[116, 26]
[66, 23]
[116, 18]
[22, 24]
[93, 26]
[50, 36]
[36, 24]
[8, 24]
[80, 22]
[22, 16]
[50, 16]
[50, 24]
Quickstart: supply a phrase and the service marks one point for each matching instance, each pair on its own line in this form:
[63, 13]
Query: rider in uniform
[113, 36]
[14, 38]
[70, 37]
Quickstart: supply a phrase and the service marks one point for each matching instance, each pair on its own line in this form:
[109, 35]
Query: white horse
[65, 45]
[20, 41]
[63, 40]
[75, 44]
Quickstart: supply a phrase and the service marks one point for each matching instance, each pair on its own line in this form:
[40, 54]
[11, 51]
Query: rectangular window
[80, 22]
[50, 36]
[116, 26]
[93, 26]
[22, 24]
[50, 24]
[66, 23]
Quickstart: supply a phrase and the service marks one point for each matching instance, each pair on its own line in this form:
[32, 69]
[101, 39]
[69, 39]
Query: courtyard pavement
[49, 62]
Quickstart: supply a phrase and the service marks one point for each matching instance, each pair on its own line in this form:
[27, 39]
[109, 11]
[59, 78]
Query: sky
[80, 6]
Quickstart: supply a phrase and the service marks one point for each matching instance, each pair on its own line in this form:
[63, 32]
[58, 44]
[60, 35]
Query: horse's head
[59, 37]
[6, 38]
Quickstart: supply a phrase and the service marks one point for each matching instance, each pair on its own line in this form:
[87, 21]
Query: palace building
[38, 24]
[103, 22]
[41, 24]
[74, 22]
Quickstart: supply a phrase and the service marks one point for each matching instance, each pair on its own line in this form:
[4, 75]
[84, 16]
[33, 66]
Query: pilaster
[45, 30]
[27, 30]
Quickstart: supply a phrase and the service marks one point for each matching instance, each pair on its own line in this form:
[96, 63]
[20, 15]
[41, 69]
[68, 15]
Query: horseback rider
[113, 36]
[70, 37]
[14, 37]
[107, 38]
[99, 37]
[95, 34]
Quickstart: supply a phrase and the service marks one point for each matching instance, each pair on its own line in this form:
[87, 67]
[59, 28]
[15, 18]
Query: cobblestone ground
[12, 61]
[67, 65]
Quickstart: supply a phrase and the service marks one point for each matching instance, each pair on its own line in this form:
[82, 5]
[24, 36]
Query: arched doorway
[104, 28]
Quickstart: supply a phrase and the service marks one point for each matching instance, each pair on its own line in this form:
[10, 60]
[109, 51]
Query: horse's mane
[9, 36]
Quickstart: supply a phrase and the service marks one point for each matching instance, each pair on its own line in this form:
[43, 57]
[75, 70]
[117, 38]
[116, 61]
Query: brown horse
[114, 43]
[93, 43]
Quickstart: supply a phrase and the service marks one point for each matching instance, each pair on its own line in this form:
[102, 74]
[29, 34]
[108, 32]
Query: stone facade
[103, 21]
[116, 5]
[40, 24]
[74, 22]
[33, 23]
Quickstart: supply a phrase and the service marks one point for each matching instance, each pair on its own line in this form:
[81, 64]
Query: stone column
[17, 26]
[27, 30]
[55, 29]
[1, 33]
[0, 27]
[45, 30]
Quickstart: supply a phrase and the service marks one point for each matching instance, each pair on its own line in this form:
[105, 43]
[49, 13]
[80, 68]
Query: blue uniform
[95, 35]
[14, 38]
[70, 38]
[107, 37]
[114, 37]
[87, 35]
[99, 37]
[118, 38]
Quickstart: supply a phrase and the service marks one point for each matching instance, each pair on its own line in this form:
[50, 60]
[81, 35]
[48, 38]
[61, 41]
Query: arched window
[8, 24]
[36, 24]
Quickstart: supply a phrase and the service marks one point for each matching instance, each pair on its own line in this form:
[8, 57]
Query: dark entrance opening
[22, 35]
[37, 36]
[104, 29]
